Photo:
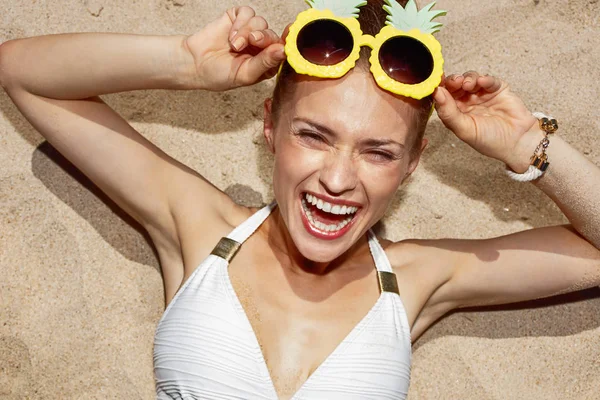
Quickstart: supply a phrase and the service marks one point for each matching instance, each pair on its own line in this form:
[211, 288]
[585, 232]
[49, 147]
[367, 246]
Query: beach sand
[80, 287]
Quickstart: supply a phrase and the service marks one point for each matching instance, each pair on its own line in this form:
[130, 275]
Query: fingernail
[258, 36]
[232, 35]
[238, 43]
[280, 53]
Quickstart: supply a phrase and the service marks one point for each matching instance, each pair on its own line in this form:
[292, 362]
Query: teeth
[321, 226]
[328, 207]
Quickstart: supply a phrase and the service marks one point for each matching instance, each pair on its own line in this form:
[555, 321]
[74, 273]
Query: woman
[307, 279]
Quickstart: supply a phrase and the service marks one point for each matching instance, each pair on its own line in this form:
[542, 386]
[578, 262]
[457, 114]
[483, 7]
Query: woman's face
[342, 149]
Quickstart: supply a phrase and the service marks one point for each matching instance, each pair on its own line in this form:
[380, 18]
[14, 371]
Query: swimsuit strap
[230, 245]
[386, 276]
[248, 227]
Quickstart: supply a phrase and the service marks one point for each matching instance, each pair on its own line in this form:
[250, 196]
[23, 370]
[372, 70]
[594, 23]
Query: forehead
[353, 103]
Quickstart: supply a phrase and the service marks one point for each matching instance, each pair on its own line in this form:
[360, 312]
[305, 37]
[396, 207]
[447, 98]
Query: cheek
[294, 164]
[381, 183]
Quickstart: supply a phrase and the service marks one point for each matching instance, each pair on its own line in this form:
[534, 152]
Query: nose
[339, 175]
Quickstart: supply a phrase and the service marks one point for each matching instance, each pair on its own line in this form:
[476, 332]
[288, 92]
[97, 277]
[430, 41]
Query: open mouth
[326, 220]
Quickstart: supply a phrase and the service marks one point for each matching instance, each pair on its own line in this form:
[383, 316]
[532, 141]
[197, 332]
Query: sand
[80, 288]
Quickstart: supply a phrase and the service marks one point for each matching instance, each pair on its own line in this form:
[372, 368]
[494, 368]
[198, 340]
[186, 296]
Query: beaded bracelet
[539, 160]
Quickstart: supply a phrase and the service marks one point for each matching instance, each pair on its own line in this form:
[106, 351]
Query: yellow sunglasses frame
[303, 66]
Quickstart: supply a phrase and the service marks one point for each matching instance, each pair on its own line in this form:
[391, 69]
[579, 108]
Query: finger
[454, 82]
[443, 80]
[470, 81]
[286, 32]
[239, 17]
[450, 114]
[472, 87]
[257, 23]
[264, 38]
[489, 83]
[242, 37]
[261, 65]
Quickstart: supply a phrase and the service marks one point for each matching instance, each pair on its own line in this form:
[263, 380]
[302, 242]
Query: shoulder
[199, 232]
[422, 254]
[195, 230]
[192, 221]
[405, 253]
[422, 267]
[427, 264]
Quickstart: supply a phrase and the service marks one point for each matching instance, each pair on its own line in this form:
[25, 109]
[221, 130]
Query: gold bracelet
[549, 126]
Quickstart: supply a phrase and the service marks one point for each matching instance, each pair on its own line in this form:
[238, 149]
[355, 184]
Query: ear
[414, 162]
[268, 124]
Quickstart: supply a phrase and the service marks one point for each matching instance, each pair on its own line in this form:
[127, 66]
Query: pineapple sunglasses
[325, 42]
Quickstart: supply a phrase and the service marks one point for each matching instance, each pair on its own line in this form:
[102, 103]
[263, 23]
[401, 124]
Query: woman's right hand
[237, 49]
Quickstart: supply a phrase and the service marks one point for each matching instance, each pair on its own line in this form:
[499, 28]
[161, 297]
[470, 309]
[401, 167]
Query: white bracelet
[531, 175]
[532, 172]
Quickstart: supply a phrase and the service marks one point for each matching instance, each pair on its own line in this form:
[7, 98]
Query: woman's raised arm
[541, 262]
[55, 82]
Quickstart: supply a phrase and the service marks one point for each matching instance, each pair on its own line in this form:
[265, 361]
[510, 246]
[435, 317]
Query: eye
[381, 156]
[311, 137]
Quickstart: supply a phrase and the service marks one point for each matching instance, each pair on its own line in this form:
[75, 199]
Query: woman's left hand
[484, 113]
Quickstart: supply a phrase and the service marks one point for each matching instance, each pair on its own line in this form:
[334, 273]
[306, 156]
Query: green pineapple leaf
[340, 8]
[409, 17]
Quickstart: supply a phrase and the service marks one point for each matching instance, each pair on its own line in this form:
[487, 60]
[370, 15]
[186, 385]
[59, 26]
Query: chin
[325, 228]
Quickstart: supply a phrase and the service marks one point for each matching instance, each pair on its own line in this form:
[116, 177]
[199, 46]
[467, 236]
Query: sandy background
[80, 289]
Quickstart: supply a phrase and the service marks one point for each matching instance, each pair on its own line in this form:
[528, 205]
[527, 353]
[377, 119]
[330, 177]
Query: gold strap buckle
[226, 249]
[388, 282]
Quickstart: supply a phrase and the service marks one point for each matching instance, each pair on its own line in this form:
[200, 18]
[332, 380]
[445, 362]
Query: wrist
[520, 159]
[184, 72]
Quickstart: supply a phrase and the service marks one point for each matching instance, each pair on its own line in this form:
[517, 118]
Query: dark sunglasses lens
[406, 60]
[325, 42]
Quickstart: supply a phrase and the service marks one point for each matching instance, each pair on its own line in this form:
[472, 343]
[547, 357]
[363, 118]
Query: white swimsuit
[205, 347]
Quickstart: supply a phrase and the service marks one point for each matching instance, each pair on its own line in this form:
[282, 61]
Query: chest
[300, 321]
[243, 342]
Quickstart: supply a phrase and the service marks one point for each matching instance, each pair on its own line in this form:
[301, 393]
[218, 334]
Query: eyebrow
[381, 143]
[367, 142]
[316, 126]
